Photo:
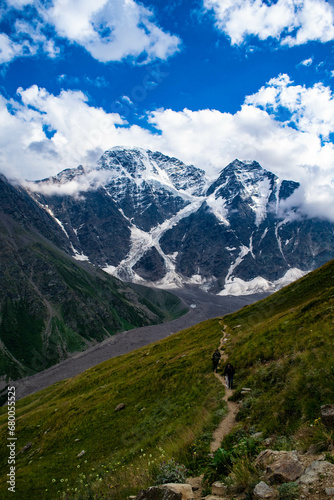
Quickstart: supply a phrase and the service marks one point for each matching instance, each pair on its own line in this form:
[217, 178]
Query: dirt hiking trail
[229, 421]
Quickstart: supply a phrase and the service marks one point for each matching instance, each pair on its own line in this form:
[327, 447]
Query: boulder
[280, 466]
[218, 488]
[185, 490]
[329, 492]
[327, 415]
[284, 470]
[262, 490]
[119, 407]
[158, 493]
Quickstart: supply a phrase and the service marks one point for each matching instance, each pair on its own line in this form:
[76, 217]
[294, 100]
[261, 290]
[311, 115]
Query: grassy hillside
[282, 348]
[170, 397]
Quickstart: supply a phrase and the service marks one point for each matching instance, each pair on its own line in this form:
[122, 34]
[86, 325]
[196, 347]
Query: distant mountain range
[147, 218]
[52, 305]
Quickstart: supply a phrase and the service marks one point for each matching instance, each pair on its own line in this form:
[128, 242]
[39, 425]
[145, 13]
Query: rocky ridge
[148, 218]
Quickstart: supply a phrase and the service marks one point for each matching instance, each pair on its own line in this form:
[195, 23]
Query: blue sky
[206, 81]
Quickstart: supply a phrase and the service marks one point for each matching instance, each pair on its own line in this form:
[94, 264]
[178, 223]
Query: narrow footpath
[229, 421]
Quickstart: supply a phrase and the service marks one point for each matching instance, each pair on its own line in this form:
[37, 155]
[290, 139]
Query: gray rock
[262, 490]
[158, 493]
[315, 470]
[281, 466]
[329, 492]
[327, 415]
[81, 453]
[119, 407]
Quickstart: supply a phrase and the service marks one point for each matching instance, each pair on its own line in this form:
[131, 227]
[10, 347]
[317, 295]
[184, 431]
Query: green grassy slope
[282, 348]
[169, 395]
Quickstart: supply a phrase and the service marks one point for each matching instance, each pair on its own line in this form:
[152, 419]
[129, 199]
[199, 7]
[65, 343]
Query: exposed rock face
[327, 415]
[50, 304]
[146, 217]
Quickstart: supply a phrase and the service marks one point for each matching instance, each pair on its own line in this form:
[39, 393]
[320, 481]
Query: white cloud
[110, 30]
[307, 62]
[8, 49]
[312, 109]
[44, 134]
[292, 22]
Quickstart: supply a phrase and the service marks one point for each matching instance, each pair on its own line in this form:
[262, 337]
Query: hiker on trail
[215, 360]
[229, 373]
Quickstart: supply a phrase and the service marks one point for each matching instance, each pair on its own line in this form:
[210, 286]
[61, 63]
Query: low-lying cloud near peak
[42, 134]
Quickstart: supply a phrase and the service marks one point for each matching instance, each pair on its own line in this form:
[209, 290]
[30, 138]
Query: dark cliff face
[154, 219]
[50, 304]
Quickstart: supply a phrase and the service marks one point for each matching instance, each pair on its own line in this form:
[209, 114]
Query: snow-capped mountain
[149, 218]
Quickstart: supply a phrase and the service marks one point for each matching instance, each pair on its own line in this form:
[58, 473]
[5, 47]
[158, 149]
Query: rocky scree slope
[148, 218]
[52, 305]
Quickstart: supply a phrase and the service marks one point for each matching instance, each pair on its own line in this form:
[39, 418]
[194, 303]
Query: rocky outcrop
[327, 415]
[316, 471]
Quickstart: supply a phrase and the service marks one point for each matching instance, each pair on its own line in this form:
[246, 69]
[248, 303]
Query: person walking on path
[229, 374]
[215, 360]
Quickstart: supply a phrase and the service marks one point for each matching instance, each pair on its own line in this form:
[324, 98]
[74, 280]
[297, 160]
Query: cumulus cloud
[8, 49]
[42, 134]
[110, 30]
[292, 22]
[312, 109]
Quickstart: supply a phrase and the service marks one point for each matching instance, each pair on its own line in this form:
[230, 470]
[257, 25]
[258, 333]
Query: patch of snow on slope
[142, 241]
[237, 286]
[80, 256]
[260, 200]
[218, 208]
[243, 252]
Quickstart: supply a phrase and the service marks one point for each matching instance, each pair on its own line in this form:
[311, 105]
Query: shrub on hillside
[171, 472]
[288, 491]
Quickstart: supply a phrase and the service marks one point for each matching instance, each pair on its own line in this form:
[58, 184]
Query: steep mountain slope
[148, 218]
[282, 348]
[50, 305]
